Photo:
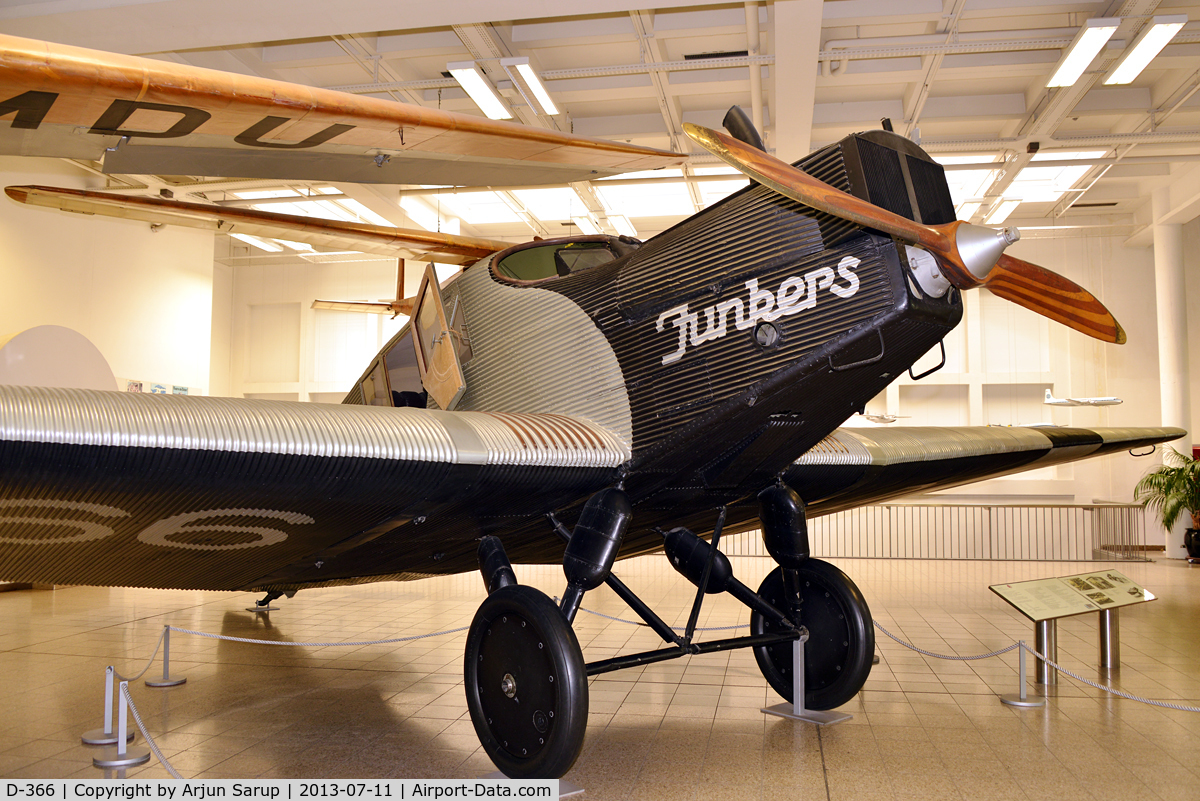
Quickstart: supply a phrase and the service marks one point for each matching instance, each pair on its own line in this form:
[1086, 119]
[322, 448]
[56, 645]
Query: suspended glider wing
[335, 234]
[392, 307]
[856, 466]
[124, 489]
[147, 116]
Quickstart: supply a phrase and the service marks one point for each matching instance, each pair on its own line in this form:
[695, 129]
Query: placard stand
[796, 710]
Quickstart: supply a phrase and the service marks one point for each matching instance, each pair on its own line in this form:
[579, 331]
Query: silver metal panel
[553, 440]
[120, 419]
[922, 444]
[840, 447]
[524, 341]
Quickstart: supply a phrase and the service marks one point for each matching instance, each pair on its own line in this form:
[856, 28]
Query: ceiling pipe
[753, 41]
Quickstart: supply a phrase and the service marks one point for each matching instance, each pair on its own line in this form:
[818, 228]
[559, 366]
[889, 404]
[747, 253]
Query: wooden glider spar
[86, 101]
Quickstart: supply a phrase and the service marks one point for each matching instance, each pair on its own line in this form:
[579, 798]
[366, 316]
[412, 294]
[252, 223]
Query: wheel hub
[516, 685]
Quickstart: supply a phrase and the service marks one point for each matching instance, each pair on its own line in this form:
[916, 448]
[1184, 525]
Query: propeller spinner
[968, 255]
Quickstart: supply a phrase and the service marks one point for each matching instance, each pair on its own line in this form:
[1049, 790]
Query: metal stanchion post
[796, 710]
[1045, 642]
[1021, 699]
[166, 680]
[122, 756]
[104, 736]
[1110, 639]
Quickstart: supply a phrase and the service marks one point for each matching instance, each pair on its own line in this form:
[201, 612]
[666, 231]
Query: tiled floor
[689, 728]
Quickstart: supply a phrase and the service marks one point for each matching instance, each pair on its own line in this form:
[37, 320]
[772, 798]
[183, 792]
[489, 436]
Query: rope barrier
[944, 656]
[149, 740]
[149, 662]
[1113, 690]
[1051, 663]
[175, 774]
[314, 644]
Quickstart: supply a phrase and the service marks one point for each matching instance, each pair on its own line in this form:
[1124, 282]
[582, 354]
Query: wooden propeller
[969, 255]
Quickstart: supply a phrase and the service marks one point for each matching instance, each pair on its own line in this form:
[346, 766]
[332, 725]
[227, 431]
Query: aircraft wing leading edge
[124, 489]
[337, 234]
[145, 116]
[853, 467]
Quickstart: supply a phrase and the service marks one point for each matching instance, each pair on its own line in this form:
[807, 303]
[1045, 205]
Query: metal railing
[1086, 532]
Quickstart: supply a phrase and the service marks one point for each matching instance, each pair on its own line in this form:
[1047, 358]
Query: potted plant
[1172, 490]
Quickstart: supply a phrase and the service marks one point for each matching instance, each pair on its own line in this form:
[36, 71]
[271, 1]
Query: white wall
[1002, 358]
[280, 347]
[143, 298]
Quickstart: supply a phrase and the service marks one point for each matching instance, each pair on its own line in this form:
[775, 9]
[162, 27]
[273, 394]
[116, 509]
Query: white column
[1171, 304]
[797, 45]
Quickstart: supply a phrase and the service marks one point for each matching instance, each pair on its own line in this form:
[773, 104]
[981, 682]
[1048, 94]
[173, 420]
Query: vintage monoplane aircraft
[571, 400]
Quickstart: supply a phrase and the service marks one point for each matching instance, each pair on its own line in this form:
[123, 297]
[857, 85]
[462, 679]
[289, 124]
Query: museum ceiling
[967, 79]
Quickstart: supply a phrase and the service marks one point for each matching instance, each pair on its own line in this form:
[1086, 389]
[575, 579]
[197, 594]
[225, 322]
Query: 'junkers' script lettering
[795, 295]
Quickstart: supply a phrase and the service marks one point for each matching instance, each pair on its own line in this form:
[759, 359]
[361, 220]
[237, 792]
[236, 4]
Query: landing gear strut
[525, 678]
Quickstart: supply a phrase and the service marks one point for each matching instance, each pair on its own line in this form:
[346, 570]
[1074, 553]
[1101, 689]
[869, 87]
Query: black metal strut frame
[683, 645]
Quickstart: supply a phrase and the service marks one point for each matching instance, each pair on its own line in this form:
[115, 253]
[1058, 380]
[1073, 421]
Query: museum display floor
[689, 728]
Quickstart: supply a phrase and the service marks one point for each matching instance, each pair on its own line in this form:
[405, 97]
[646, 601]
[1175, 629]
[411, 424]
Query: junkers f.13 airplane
[568, 401]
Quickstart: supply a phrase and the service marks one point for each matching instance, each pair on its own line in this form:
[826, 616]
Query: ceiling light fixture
[967, 210]
[261, 244]
[471, 79]
[586, 225]
[1000, 211]
[1087, 43]
[524, 77]
[1149, 43]
[622, 225]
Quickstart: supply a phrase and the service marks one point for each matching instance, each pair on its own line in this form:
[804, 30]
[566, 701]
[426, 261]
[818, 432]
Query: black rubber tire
[537, 733]
[841, 643]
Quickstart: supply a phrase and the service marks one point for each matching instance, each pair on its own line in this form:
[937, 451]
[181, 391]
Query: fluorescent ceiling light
[261, 244]
[425, 215]
[1091, 37]
[531, 80]
[1001, 211]
[1145, 47]
[586, 225]
[967, 210]
[622, 225]
[470, 78]
[479, 208]
[551, 203]
[304, 246]
[1037, 184]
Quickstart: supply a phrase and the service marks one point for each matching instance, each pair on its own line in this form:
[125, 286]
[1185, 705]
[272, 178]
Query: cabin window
[554, 259]
[375, 387]
[404, 378]
[394, 379]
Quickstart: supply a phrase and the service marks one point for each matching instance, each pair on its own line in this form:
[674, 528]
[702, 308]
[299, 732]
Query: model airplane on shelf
[601, 392]
[1053, 401]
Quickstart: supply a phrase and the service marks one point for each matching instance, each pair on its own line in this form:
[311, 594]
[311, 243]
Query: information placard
[1063, 596]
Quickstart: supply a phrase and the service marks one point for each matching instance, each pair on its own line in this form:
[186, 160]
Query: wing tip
[1121, 339]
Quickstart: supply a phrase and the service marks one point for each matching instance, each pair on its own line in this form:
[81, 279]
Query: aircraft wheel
[526, 684]
[841, 643]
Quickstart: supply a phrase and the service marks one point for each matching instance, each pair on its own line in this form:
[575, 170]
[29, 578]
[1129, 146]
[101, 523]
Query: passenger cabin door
[437, 353]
